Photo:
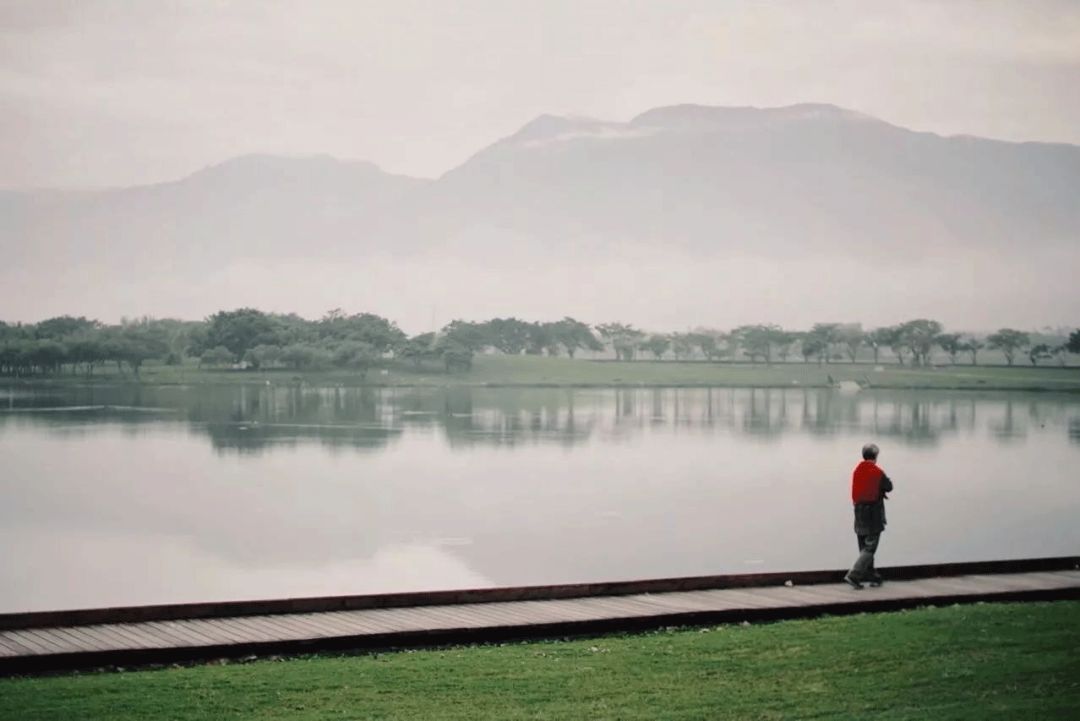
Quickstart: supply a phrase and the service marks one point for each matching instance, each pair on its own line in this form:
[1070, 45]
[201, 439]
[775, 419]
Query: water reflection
[115, 495]
[256, 419]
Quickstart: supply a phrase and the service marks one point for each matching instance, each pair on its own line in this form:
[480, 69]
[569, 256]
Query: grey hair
[869, 451]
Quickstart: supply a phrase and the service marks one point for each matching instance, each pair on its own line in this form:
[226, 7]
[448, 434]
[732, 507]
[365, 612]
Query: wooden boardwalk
[28, 643]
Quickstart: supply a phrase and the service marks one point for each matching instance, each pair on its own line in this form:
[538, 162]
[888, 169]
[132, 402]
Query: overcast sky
[99, 93]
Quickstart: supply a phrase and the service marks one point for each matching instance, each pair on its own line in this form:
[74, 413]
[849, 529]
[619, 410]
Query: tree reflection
[253, 419]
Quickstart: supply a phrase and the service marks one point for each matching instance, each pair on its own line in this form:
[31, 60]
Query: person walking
[869, 484]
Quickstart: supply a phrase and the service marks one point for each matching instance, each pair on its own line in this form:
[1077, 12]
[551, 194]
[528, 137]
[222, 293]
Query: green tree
[305, 355]
[624, 338]
[820, 341]
[418, 349]
[709, 341]
[851, 337]
[951, 343]
[1073, 344]
[682, 345]
[357, 355]
[47, 355]
[455, 355]
[919, 336]
[63, 326]
[509, 335]
[471, 336]
[812, 345]
[217, 357]
[240, 330]
[785, 341]
[972, 345]
[1008, 341]
[541, 339]
[138, 342]
[657, 344]
[263, 356]
[885, 337]
[1059, 352]
[88, 350]
[757, 341]
[1039, 352]
[381, 334]
[574, 335]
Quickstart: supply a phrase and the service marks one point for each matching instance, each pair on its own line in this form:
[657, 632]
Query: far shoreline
[523, 372]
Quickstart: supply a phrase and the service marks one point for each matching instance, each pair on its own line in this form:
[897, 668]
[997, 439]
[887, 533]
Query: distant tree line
[911, 343]
[250, 338]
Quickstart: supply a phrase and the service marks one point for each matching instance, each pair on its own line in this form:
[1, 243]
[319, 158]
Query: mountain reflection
[255, 419]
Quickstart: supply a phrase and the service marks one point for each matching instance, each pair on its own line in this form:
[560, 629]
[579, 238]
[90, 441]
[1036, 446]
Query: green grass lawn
[537, 370]
[1007, 661]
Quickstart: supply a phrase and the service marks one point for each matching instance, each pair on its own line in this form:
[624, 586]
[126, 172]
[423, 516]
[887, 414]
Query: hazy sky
[96, 93]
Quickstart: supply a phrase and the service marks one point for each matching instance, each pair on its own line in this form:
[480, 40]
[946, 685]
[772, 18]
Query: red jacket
[868, 483]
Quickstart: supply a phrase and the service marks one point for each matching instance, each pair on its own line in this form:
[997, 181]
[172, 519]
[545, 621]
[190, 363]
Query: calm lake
[125, 495]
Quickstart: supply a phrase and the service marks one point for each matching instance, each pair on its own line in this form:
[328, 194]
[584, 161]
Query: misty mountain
[811, 178]
[686, 185]
[252, 206]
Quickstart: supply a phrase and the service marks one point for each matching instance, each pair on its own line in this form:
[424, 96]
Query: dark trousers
[864, 564]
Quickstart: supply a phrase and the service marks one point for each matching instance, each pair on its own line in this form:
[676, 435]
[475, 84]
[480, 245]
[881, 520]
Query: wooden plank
[456, 617]
[598, 608]
[464, 616]
[35, 644]
[220, 629]
[140, 637]
[252, 631]
[749, 598]
[268, 626]
[416, 619]
[50, 637]
[296, 626]
[496, 615]
[781, 595]
[538, 612]
[313, 628]
[94, 640]
[1046, 577]
[12, 643]
[447, 619]
[1018, 584]
[803, 596]
[103, 637]
[137, 614]
[952, 586]
[618, 607]
[383, 620]
[1067, 576]
[287, 631]
[188, 629]
[674, 603]
[827, 593]
[175, 635]
[330, 626]
[81, 641]
[635, 608]
[356, 619]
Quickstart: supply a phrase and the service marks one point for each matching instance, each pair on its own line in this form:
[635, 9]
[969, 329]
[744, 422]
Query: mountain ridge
[802, 186]
[546, 124]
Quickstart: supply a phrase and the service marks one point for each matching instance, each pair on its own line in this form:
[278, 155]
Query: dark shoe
[876, 580]
[853, 582]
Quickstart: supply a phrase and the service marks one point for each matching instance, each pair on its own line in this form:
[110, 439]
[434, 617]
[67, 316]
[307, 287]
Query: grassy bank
[962, 662]
[533, 370]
